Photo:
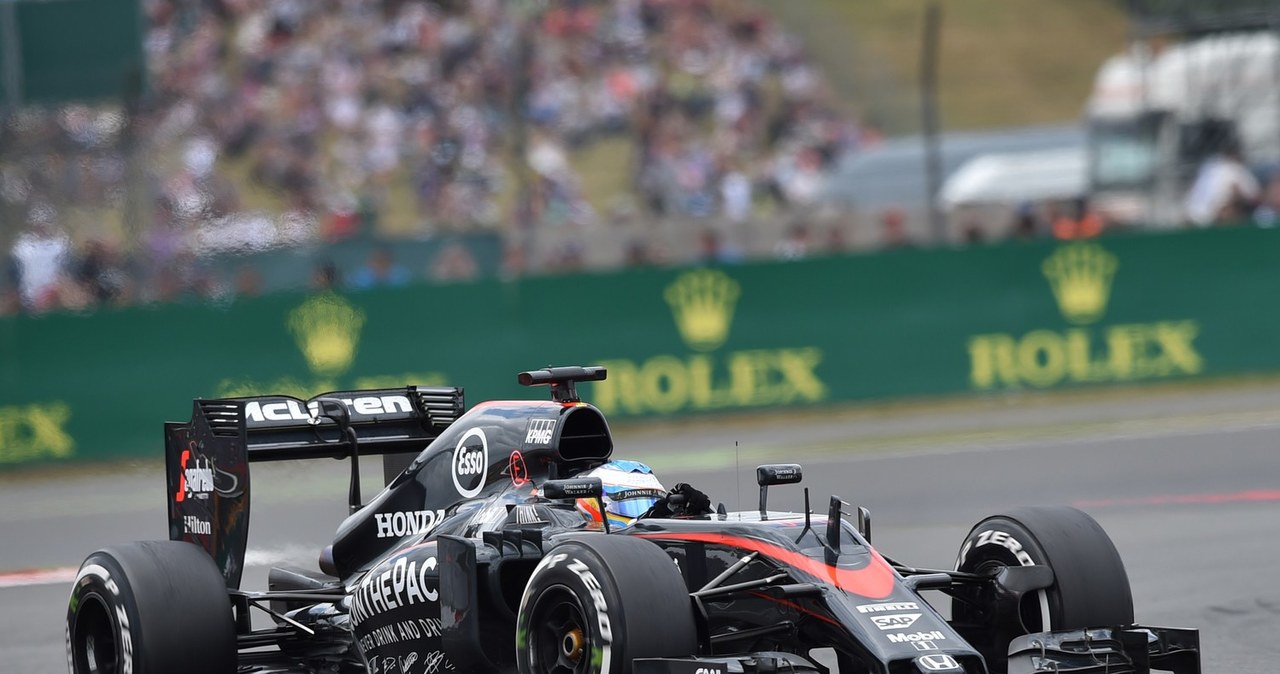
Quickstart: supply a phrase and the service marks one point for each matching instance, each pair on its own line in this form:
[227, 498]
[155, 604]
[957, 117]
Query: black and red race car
[474, 558]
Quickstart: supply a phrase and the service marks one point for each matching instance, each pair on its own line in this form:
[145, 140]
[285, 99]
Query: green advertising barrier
[676, 341]
[71, 50]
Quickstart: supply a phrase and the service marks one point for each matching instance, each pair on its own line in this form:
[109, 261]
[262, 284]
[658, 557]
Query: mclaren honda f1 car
[476, 557]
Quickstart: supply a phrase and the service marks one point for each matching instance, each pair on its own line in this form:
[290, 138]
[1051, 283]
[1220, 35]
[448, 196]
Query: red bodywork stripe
[874, 581]
[796, 607]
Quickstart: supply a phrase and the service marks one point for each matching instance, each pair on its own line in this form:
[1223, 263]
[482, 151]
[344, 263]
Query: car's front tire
[1090, 587]
[150, 607]
[595, 603]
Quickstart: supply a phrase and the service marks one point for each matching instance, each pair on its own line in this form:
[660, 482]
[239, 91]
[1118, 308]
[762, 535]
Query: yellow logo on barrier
[702, 302]
[36, 431]
[1080, 275]
[327, 329]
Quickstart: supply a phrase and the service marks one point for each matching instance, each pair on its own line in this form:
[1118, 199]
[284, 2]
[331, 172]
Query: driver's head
[630, 489]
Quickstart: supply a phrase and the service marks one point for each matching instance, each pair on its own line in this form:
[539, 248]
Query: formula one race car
[477, 557]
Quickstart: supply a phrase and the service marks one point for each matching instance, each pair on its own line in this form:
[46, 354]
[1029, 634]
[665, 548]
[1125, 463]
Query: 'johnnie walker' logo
[1080, 275]
[702, 302]
[327, 329]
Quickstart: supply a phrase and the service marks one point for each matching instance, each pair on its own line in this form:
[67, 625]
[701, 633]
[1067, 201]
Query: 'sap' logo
[895, 622]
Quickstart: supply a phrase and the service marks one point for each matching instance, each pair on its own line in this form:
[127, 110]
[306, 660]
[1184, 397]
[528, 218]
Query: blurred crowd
[274, 123]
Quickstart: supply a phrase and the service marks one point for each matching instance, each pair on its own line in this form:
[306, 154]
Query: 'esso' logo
[472, 461]
[469, 463]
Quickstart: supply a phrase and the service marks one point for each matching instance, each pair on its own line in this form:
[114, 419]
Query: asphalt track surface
[1186, 481]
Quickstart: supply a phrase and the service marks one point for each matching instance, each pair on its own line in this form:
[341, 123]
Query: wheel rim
[94, 647]
[558, 641]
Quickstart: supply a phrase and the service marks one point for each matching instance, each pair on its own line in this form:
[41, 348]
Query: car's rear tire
[597, 602]
[1090, 587]
[150, 607]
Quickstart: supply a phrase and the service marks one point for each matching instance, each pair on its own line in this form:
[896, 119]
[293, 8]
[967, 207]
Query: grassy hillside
[1002, 62]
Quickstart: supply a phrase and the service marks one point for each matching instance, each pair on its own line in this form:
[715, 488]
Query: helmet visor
[632, 502]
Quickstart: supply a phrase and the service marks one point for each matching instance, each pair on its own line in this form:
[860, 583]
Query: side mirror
[576, 488]
[775, 473]
[778, 473]
[573, 488]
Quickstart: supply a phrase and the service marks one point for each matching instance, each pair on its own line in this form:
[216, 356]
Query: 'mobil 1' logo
[1080, 276]
[326, 329]
[702, 304]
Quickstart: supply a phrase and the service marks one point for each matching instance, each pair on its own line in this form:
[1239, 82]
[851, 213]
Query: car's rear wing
[207, 460]
[385, 421]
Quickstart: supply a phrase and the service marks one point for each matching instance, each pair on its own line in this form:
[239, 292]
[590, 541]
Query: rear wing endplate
[207, 460]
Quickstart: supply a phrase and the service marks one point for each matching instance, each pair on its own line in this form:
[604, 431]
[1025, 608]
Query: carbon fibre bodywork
[427, 576]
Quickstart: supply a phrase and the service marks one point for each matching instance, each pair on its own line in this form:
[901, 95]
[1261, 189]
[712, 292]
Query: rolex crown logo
[702, 302]
[1080, 275]
[327, 329]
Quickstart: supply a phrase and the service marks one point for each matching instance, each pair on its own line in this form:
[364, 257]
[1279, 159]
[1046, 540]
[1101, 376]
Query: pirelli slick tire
[151, 607]
[597, 602]
[1090, 585]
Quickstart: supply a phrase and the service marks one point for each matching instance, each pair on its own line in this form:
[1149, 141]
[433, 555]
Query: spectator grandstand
[272, 128]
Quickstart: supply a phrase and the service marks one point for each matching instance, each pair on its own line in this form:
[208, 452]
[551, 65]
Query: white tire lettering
[122, 618]
[1007, 541]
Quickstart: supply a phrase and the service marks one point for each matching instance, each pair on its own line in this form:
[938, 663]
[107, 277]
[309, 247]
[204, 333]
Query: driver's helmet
[630, 489]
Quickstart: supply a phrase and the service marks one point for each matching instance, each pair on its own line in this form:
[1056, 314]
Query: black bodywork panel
[427, 576]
